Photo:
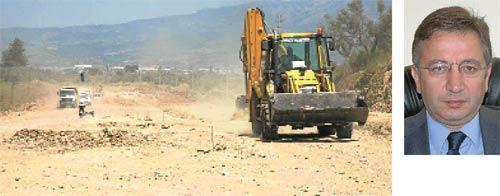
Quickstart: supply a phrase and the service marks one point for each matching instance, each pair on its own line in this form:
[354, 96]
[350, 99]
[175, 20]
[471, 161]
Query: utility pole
[159, 74]
[280, 20]
[140, 76]
[192, 76]
[227, 83]
[176, 76]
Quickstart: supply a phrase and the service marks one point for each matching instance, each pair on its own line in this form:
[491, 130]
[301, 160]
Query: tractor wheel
[344, 130]
[326, 130]
[254, 112]
[256, 127]
[269, 133]
[269, 130]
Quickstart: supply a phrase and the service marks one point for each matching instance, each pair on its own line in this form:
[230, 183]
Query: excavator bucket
[331, 107]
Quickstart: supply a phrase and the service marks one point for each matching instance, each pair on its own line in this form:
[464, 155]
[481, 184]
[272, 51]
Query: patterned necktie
[454, 140]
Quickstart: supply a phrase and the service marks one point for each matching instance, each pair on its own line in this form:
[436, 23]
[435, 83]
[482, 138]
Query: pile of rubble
[379, 90]
[123, 138]
[61, 141]
[30, 106]
[379, 124]
[375, 85]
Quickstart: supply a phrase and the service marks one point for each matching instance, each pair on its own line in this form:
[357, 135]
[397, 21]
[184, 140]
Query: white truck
[68, 97]
[86, 97]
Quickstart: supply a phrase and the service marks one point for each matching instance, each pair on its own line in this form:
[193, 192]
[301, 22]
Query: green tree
[14, 55]
[383, 29]
[350, 29]
[359, 39]
[13, 67]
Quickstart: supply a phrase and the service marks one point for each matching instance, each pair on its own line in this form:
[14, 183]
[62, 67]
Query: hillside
[207, 37]
[375, 84]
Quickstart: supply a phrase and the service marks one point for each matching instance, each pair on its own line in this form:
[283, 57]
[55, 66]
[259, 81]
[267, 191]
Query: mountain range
[208, 37]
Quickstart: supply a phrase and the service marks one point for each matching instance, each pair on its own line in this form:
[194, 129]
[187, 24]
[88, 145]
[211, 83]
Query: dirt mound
[29, 96]
[379, 124]
[123, 138]
[375, 85]
[141, 125]
[26, 107]
[62, 141]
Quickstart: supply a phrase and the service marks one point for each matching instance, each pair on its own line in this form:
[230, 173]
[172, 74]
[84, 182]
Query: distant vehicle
[68, 97]
[131, 68]
[86, 97]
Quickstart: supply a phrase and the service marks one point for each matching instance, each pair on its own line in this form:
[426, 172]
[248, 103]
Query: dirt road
[167, 144]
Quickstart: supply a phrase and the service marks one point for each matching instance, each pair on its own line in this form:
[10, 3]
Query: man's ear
[416, 77]
[487, 78]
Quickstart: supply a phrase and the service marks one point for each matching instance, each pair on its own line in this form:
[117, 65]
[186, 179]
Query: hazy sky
[59, 13]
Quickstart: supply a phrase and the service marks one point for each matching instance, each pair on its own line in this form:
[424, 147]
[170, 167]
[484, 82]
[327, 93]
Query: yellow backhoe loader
[289, 81]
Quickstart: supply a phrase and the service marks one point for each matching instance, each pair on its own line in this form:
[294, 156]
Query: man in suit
[452, 62]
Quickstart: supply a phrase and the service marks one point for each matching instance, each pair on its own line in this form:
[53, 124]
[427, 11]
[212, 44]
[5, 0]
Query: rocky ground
[165, 142]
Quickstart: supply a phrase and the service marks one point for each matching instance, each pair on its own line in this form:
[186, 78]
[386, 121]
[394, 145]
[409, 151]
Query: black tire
[269, 133]
[256, 128]
[344, 131]
[326, 130]
[269, 130]
[254, 112]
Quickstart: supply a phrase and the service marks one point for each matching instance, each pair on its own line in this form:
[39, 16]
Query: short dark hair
[452, 19]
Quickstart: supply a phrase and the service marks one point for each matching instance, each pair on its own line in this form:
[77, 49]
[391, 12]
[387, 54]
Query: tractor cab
[298, 60]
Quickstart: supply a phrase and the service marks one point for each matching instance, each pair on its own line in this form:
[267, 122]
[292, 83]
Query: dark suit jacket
[417, 135]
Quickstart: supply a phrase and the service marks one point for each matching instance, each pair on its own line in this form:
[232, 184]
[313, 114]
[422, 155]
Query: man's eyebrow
[434, 61]
[471, 60]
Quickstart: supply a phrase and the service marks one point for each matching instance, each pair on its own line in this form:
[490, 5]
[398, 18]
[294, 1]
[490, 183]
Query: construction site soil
[376, 85]
[157, 140]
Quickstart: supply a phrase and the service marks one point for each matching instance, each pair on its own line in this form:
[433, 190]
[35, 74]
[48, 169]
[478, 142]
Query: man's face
[453, 98]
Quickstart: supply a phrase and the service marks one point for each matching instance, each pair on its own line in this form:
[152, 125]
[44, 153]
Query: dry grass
[25, 95]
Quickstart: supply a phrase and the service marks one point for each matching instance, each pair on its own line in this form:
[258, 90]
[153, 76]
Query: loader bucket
[307, 108]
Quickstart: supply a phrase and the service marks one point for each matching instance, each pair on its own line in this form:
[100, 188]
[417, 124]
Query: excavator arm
[254, 33]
